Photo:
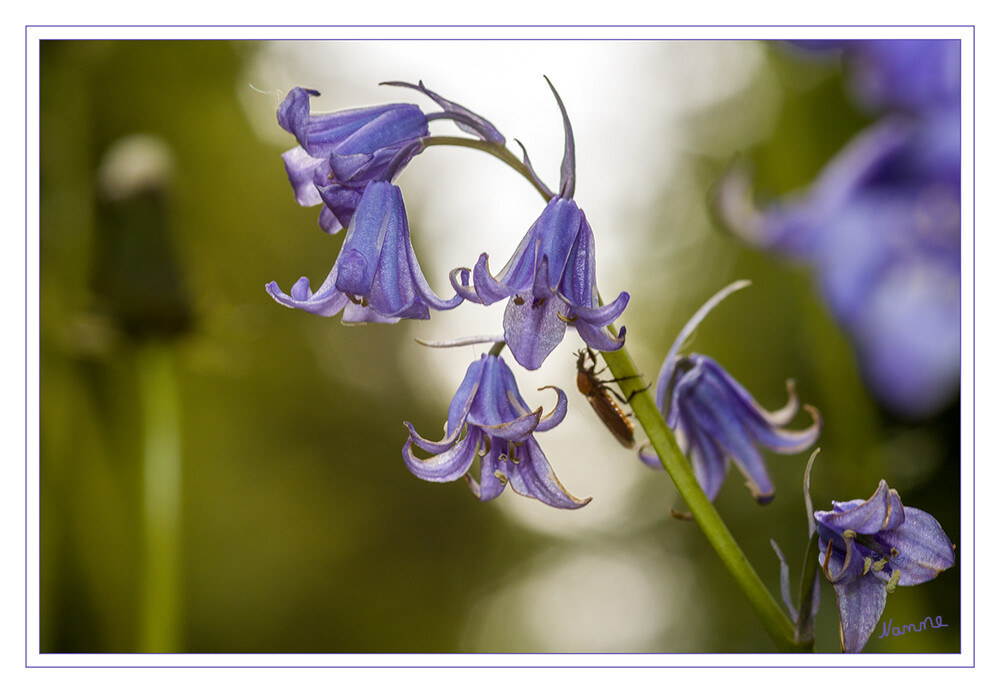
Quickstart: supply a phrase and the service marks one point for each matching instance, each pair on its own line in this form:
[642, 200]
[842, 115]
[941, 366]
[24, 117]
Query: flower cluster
[716, 420]
[347, 162]
[880, 225]
[868, 548]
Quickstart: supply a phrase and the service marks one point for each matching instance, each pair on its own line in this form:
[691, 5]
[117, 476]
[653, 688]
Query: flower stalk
[777, 624]
[625, 372]
[161, 467]
[497, 149]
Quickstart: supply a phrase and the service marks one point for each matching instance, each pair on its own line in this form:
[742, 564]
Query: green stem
[494, 148]
[777, 624]
[160, 628]
[773, 617]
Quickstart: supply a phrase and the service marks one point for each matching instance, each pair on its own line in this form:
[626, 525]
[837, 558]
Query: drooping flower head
[376, 277]
[716, 420]
[489, 420]
[550, 280]
[340, 153]
[868, 548]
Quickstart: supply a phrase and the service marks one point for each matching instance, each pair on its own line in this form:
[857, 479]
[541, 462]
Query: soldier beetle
[599, 394]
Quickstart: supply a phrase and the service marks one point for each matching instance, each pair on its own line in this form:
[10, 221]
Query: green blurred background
[296, 527]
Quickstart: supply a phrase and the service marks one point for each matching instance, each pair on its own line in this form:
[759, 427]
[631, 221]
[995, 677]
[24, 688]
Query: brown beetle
[599, 395]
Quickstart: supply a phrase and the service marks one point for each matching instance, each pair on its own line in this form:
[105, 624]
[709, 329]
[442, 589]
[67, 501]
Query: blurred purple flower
[488, 419]
[882, 232]
[868, 548]
[913, 75]
[881, 227]
[339, 153]
[716, 420]
[376, 277]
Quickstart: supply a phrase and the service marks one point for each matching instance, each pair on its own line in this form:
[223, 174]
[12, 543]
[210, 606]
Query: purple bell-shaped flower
[376, 277]
[490, 421]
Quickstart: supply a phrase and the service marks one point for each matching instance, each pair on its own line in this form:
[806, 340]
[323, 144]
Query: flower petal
[883, 511]
[555, 417]
[758, 422]
[448, 465]
[924, 549]
[781, 439]
[598, 337]
[601, 316]
[708, 461]
[490, 485]
[532, 476]
[385, 127]
[516, 430]
[339, 204]
[461, 403]
[558, 231]
[532, 330]
[860, 603]
[485, 290]
[374, 221]
[783, 416]
[423, 289]
[433, 447]
[300, 168]
[708, 401]
[359, 313]
[326, 301]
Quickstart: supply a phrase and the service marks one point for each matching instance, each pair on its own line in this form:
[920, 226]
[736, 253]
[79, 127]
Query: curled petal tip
[558, 413]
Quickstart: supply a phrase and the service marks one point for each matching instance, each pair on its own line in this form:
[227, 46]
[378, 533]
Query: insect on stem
[599, 395]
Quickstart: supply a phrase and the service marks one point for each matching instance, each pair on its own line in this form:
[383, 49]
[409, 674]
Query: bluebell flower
[868, 548]
[550, 280]
[488, 420]
[340, 153]
[881, 224]
[376, 277]
[881, 227]
[716, 420]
